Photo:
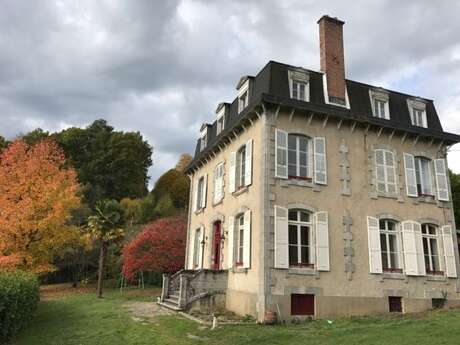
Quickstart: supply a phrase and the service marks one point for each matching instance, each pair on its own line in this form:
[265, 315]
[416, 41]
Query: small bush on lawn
[19, 296]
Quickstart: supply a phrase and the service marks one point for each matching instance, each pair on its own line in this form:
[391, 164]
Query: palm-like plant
[105, 225]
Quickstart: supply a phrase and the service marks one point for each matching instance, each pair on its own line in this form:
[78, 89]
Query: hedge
[19, 296]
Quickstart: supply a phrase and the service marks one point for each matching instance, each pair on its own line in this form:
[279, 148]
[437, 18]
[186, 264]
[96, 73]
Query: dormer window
[220, 123]
[243, 93]
[204, 137]
[417, 111]
[380, 104]
[299, 85]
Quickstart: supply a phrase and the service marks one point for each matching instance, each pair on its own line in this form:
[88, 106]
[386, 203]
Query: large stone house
[317, 195]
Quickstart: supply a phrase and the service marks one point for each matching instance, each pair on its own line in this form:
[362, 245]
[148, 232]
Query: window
[240, 232]
[423, 176]
[418, 117]
[300, 239]
[299, 156]
[240, 167]
[385, 171]
[395, 304]
[389, 246]
[197, 248]
[299, 85]
[302, 304]
[243, 101]
[203, 142]
[220, 123]
[299, 90]
[430, 249]
[200, 194]
[380, 109]
[219, 182]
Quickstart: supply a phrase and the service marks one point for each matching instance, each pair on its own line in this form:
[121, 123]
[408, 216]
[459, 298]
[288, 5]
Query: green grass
[82, 319]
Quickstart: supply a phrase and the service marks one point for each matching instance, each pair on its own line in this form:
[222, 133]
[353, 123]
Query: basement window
[302, 304]
[395, 304]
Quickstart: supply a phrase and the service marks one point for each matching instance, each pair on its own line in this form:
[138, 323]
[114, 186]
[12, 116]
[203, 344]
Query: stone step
[172, 301]
[174, 297]
[169, 305]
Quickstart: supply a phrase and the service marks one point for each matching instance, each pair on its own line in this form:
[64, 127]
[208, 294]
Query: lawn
[69, 317]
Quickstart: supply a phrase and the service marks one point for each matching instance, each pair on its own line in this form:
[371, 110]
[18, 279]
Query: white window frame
[297, 79]
[197, 247]
[386, 177]
[299, 224]
[219, 173]
[417, 107]
[419, 178]
[397, 254]
[240, 236]
[429, 238]
[200, 193]
[308, 158]
[240, 167]
[220, 123]
[381, 96]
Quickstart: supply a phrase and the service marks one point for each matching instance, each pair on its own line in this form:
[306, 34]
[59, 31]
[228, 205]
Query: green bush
[19, 296]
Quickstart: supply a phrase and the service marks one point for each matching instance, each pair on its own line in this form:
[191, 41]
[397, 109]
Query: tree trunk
[100, 278]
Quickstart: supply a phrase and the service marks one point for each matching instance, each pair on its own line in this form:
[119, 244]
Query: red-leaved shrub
[160, 247]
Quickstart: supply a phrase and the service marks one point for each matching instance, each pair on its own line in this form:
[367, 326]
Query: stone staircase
[184, 287]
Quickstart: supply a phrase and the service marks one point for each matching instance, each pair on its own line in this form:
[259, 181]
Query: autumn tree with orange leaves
[37, 195]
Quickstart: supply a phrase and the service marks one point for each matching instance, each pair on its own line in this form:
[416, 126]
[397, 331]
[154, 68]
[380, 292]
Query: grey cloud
[161, 67]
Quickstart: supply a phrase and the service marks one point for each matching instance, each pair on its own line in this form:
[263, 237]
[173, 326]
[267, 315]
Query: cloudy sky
[161, 67]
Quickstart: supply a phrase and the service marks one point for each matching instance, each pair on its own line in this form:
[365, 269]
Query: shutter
[421, 269]
[248, 164]
[281, 237]
[322, 241]
[380, 170]
[409, 248]
[218, 182]
[411, 181]
[247, 240]
[191, 245]
[390, 171]
[204, 191]
[201, 246]
[449, 253]
[230, 241]
[373, 235]
[281, 144]
[319, 148]
[441, 179]
[232, 172]
[195, 195]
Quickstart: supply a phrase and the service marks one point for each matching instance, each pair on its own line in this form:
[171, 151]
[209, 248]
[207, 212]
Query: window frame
[200, 192]
[418, 117]
[298, 78]
[380, 106]
[387, 233]
[422, 191]
[220, 123]
[196, 248]
[380, 96]
[299, 224]
[239, 222]
[243, 100]
[429, 238]
[308, 159]
[240, 169]
[219, 173]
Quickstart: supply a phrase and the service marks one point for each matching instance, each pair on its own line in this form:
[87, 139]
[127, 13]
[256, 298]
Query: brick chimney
[332, 59]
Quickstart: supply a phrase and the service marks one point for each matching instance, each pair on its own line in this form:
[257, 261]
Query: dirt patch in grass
[56, 291]
[141, 311]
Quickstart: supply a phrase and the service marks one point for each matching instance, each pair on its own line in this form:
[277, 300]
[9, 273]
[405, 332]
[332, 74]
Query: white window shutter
[411, 181]
[191, 246]
[230, 241]
[218, 182]
[201, 246]
[379, 156]
[195, 194]
[281, 144]
[281, 237]
[232, 172]
[204, 191]
[248, 164]
[441, 179]
[322, 241]
[449, 252]
[373, 236]
[409, 248]
[247, 240]
[421, 269]
[320, 168]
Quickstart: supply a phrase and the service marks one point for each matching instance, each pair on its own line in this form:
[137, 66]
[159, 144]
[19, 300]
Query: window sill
[239, 269]
[297, 182]
[436, 278]
[305, 271]
[424, 199]
[387, 195]
[240, 190]
[393, 275]
[201, 210]
[216, 203]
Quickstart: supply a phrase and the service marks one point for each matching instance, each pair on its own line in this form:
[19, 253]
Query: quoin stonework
[315, 195]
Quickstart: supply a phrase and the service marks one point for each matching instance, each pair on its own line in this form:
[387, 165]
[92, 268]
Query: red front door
[216, 247]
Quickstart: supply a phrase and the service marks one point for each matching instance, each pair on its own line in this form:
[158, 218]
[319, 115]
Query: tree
[160, 247]
[455, 187]
[105, 226]
[176, 184]
[110, 164]
[3, 143]
[184, 160]
[37, 196]
[35, 136]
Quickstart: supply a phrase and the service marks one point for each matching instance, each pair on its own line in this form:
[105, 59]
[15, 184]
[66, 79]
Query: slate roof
[271, 86]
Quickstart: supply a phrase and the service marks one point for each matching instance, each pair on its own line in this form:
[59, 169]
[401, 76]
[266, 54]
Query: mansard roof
[271, 86]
